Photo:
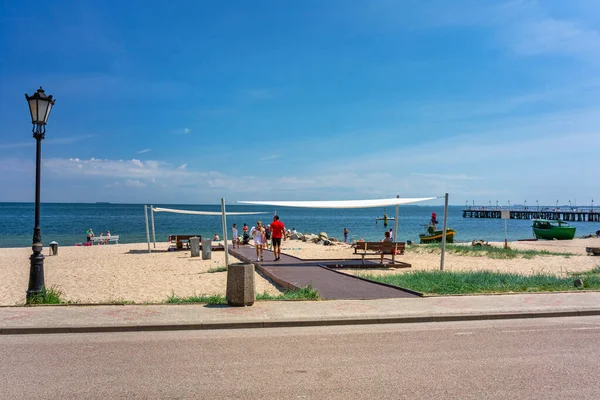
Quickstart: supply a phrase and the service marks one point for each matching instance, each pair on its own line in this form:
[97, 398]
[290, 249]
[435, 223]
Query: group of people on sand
[269, 236]
[89, 234]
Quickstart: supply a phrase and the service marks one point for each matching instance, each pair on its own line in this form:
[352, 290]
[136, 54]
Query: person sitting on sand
[216, 237]
[102, 241]
[387, 239]
[107, 234]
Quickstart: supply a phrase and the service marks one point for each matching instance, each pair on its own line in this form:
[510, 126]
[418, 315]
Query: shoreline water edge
[66, 223]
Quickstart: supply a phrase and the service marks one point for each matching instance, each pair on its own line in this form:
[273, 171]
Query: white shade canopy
[172, 210]
[340, 203]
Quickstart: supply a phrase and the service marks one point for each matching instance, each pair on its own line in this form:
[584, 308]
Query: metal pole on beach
[147, 231]
[152, 219]
[224, 221]
[396, 224]
[444, 231]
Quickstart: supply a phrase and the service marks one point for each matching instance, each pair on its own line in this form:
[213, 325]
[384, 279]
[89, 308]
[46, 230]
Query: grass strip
[51, 295]
[482, 251]
[473, 282]
[208, 299]
[305, 293]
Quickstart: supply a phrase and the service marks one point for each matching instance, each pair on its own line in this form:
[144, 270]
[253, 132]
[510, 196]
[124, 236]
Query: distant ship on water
[102, 202]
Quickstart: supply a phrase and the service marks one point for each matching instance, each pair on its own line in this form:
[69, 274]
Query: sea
[66, 223]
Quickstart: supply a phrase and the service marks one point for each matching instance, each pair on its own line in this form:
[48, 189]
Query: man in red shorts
[277, 233]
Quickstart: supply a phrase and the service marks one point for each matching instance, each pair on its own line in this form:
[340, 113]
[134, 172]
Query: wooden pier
[565, 215]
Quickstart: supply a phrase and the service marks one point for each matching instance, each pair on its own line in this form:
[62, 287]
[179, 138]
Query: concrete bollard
[53, 248]
[206, 249]
[195, 246]
[240, 285]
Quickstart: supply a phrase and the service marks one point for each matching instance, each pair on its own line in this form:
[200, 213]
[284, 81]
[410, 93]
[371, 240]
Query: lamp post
[496, 204]
[39, 106]
[525, 203]
[509, 204]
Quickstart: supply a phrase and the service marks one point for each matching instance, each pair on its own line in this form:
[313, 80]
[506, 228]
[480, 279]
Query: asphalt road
[519, 359]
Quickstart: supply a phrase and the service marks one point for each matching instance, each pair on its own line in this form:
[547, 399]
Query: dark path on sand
[292, 272]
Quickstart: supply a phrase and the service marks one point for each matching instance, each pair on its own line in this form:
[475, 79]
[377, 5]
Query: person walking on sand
[277, 233]
[89, 234]
[257, 234]
[345, 235]
[234, 235]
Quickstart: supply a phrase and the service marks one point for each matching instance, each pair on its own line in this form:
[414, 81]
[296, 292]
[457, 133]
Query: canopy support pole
[395, 238]
[152, 219]
[444, 231]
[147, 230]
[224, 221]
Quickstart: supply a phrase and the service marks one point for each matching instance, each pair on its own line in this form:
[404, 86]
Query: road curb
[298, 322]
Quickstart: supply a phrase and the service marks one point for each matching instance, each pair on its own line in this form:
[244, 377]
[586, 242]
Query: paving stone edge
[297, 322]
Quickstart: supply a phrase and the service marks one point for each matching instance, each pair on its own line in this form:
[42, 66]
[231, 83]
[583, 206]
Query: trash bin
[195, 246]
[206, 249]
[53, 248]
[240, 285]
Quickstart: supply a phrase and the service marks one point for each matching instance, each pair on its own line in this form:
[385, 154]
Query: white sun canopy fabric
[340, 203]
[172, 210]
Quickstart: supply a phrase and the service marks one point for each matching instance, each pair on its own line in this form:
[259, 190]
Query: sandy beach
[126, 272]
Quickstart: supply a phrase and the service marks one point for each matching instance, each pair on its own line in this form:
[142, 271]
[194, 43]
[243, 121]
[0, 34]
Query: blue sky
[188, 102]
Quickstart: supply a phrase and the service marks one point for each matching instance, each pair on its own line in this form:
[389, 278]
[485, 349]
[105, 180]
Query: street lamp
[509, 204]
[526, 204]
[538, 205]
[39, 107]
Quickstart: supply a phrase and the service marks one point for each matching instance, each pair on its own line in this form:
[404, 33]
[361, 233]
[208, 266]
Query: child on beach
[234, 235]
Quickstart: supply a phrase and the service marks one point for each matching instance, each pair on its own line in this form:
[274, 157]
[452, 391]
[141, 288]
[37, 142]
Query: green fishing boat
[434, 236]
[553, 229]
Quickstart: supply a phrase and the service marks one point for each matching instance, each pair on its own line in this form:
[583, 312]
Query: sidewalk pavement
[267, 314]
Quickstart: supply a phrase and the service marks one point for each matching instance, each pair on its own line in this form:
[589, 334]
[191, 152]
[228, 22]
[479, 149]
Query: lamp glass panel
[33, 109]
[48, 109]
[43, 106]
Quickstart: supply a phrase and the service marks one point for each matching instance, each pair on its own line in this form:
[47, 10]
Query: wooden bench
[180, 240]
[377, 248]
[105, 239]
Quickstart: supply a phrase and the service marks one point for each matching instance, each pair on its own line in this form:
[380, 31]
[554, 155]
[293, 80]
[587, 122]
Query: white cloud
[144, 151]
[270, 158]
[186, 131]
[544, 35]
[258, 94]
[183, 166]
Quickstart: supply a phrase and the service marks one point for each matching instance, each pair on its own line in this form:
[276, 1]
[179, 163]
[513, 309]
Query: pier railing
[565, 215]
